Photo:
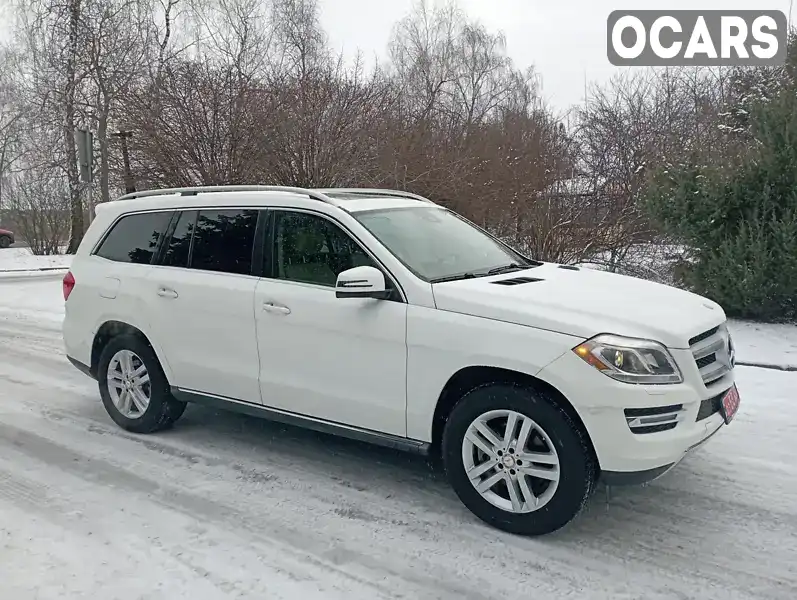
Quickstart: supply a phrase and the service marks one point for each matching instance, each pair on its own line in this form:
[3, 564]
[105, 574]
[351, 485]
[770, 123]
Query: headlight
[630, 360]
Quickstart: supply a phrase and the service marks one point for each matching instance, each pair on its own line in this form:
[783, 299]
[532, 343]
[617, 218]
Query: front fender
[441, 343]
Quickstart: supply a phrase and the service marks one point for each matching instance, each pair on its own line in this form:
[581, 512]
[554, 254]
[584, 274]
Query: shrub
[740, 217]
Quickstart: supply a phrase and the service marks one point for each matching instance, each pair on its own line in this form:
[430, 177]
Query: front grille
[712, 353]
[703, 336]
[654, 419]
[706, 360]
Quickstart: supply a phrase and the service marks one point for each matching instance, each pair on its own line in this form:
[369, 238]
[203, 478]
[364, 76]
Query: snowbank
[21, 259]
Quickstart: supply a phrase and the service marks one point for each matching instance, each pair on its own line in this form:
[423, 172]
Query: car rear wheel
[517, 460]
[5, 241]
[133, 387]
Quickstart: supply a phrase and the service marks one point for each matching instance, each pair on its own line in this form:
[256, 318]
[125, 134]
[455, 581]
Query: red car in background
[6, 238]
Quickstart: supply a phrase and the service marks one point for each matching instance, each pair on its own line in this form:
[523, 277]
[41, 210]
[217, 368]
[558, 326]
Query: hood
[583, 303]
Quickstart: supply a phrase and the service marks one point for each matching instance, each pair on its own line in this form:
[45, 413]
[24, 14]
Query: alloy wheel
[511, 461]
[129, 384]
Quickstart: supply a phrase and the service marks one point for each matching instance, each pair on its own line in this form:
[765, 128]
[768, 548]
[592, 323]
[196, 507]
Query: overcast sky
[564, 39]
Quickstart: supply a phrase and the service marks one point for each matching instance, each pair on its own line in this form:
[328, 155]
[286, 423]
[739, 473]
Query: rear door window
[135, 238]
[224, 241]
[176, 252]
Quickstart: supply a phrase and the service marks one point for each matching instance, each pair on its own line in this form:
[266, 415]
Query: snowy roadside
[20, 262]
[765, 345]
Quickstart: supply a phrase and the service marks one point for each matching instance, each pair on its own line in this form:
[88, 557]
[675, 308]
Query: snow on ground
[20, 259]
[32, 299]
[226, 506]
[761, 343]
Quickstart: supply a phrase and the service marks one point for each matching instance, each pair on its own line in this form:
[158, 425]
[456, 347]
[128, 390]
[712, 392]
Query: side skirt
[280, 416]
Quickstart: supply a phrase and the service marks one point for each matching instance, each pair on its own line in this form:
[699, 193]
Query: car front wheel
[517, 460]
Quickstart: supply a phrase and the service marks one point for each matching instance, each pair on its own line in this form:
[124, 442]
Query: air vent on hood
[569, 267]
[516, 281]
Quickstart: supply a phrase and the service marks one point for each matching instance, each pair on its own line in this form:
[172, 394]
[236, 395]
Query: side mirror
[362, 282]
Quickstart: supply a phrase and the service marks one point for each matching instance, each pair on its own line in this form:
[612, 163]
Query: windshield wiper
[505, 269]
[467, 275]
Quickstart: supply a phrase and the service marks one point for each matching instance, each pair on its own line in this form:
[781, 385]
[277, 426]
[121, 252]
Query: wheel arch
[109, 330]
[469, 377]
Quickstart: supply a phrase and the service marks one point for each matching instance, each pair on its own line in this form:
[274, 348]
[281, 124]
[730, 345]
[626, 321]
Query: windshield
[437, 245]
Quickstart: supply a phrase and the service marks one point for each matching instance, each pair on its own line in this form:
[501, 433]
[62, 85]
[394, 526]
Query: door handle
[167, 293]
[276, 308]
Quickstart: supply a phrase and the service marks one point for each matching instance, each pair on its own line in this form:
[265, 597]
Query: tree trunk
[70, 93]
[2, 171]
[102, 136]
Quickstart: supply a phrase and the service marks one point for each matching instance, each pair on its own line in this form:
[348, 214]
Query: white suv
[381, 316]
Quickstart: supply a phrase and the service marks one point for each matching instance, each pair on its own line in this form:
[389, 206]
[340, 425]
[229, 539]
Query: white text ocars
[381, 316]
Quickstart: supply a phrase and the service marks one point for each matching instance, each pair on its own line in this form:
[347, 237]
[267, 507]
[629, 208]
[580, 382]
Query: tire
[5, 241]
[541, 505]
[161, 410]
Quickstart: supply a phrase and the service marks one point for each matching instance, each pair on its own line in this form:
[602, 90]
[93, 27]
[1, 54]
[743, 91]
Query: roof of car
[348, 199]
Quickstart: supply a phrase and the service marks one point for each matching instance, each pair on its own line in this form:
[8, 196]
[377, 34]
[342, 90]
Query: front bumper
[631, 450]
[648, 475]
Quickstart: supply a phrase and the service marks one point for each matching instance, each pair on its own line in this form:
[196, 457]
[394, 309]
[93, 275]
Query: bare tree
[116, 43]
[38, 202]
[53, 72]
[12, 112]
[423, 56]
[70, 82]
[628, 128]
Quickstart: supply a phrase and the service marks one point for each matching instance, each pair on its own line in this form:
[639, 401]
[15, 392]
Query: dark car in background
[6, 238]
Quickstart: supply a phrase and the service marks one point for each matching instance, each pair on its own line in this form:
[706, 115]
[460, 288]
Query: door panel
[205, 324]
[201, 303]
[341, 360]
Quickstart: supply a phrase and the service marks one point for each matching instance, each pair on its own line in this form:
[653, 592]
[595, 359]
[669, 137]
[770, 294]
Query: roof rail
[375, 192]
[192, 191]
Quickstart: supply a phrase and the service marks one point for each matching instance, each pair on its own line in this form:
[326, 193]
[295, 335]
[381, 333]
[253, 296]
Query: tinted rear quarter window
[224, 240]
[135, 238]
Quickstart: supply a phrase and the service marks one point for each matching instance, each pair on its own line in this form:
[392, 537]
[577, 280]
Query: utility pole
[130, 185]
[85, 153]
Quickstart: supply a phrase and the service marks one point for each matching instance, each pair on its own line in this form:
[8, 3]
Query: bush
[740, 218]
[38, 201]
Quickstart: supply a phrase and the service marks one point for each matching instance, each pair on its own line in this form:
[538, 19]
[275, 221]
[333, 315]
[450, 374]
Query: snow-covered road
[226, 506]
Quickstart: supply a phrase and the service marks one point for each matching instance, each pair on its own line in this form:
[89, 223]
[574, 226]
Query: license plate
[729, 405]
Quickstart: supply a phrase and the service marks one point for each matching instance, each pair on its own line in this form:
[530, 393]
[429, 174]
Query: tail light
[69, 284]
